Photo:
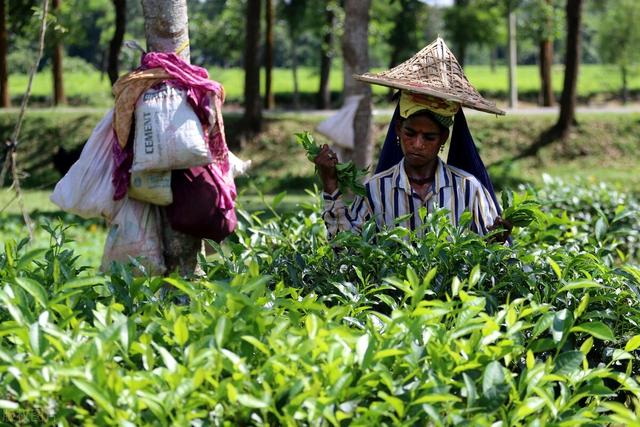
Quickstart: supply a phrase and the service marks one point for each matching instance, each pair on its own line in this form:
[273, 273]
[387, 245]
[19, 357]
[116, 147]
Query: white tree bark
[355, 52]
[166, 27]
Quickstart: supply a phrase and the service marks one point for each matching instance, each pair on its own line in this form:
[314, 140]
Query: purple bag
[194, 210]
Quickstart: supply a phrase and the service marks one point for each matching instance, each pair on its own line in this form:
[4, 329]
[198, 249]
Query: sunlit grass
[95, 89]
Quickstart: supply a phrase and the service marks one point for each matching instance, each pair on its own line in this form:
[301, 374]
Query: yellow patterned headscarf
[442, 110]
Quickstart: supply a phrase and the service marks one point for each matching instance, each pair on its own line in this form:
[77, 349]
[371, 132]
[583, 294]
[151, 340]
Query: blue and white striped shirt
[389, 196]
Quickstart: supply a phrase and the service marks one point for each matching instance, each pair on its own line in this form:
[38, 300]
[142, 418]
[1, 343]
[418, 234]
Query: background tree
[269, 100]
[120, 8]
[618, 38]
[473, 22]
[252, 105]
[166, 29]
[403, 38]
[56, 68]
[567, 117]
[323, 98]
[16, 16]
[217, 32]
[355, 55]
[512, 52]
[541, 24]
[293, 12]
[4, 51]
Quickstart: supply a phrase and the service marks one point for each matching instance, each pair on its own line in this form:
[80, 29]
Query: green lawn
[95, 89]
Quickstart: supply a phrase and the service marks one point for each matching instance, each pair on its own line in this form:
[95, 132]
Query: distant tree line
[295, 33]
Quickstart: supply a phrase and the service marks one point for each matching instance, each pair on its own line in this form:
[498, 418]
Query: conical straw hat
[433, 71]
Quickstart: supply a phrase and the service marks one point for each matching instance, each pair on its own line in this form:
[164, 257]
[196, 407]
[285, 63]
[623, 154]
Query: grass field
[596, 83]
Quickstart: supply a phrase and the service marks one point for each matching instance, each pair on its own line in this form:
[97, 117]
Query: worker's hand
[501, 224]
[326, 162]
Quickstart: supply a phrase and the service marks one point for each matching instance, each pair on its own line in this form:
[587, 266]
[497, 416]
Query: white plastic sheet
[339, 127]
[86, 189]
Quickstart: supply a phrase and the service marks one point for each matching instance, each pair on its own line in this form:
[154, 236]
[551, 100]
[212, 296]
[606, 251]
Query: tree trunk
[571, 64]
[356, 61]
[58, 81]
[120, 7]
[625, 84]
[546, 60]
[294, 71]
[461, 48]
[252, 105]
[4, 51]
[566, 119]
[493, 56]
[461, 45]
[324, 92]
[269, 100]
[513, 59]
[167, 30]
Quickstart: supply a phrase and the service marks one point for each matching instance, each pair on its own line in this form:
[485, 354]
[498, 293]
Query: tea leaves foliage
[391, 327]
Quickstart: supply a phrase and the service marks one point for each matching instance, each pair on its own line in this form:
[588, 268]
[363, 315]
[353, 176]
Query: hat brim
[414, 86]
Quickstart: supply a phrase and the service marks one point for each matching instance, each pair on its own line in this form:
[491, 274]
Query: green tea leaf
[222, 331]
[95, 394]
[583, 284]
[251, 402]
[567, 362]
[397, 404]
[8, 404]
[168, 359]
[474, 277]
[256, 343]
[633, 343]
[494, 386]
[364, 350]
[529, 406]
[180, 330]
[311, 324]
[34, 288]
[562, 322]
[597, 329]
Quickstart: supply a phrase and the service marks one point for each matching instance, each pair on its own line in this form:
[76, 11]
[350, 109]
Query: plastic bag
[339, 127]
[168, 133]
[238, 166]
[86, 189]
[135, 232]
[151, 187]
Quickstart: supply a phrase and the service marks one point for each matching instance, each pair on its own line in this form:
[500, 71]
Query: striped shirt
[389, 196]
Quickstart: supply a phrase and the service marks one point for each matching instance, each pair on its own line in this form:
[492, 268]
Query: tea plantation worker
[410, 174]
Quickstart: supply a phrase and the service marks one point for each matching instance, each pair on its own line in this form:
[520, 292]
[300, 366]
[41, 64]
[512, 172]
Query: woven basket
[433, 71]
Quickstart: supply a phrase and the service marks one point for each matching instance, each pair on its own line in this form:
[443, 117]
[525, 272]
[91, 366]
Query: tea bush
[393, 327]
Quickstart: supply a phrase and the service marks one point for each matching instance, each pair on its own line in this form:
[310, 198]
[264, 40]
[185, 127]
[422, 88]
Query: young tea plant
[349, 176]
[519, 210]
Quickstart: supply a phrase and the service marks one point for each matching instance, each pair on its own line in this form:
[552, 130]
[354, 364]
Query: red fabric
[195, 209]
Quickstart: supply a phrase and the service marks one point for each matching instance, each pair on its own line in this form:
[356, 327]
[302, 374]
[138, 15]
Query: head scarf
[440, 109]
[463, 152]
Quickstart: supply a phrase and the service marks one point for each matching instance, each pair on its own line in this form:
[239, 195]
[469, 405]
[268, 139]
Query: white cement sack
[151, 187]
[135, 232]
[86, 189]
[168, 134]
